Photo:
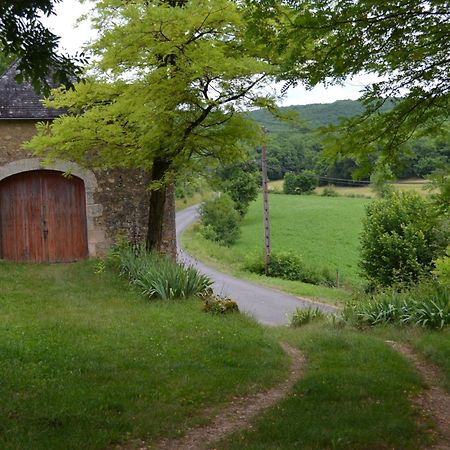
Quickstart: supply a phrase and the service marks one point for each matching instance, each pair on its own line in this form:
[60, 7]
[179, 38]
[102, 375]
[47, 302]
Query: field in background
[360, 191]
[323, 230]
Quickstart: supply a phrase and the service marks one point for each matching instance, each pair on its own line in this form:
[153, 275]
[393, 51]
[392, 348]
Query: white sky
[72, 40]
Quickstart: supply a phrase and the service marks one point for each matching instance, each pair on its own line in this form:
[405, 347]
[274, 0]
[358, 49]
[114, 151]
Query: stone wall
[116, 200]
[12, 134]
[125, 199]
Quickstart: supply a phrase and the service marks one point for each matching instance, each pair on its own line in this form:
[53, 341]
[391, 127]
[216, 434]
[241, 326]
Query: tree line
[301, 147]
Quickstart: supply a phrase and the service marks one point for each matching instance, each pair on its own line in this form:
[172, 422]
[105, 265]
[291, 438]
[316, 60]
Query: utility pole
[265, 203]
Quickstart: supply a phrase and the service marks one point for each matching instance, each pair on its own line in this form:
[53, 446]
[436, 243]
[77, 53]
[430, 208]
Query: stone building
[46, 216]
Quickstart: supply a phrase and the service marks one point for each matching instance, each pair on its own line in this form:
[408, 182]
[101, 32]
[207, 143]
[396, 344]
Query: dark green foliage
[219, 305]
[23, 36]
[241, 181]
[290, 266]
[157, 276]
[424, 305]
[293, 150]
[330, 40]
[220, 220]
[400, 239]
[303, 316]
[5, 62]
[303, 183]
[440, 182]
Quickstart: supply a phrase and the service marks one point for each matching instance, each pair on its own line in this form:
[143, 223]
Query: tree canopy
[294, 149]
[169, 82]
[24, 37]
[406, 43]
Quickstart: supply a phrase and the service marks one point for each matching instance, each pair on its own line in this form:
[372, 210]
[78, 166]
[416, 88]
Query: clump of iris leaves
[157, 276]
[426, 305]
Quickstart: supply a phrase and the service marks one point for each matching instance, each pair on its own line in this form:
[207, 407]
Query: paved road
[266, 305]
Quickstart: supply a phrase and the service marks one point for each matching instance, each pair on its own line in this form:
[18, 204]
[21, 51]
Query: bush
[290, 266]
[303, 316]
[440, 184]
[329, 191]
[426, 305]
[442, 271]
[400, 239]
[303, 183]
[157, 276]
[220, 220]
[241, 181]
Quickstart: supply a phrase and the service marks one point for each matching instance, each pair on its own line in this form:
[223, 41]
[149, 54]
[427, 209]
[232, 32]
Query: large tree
[404, 42]
[24, 37]
[169, 81]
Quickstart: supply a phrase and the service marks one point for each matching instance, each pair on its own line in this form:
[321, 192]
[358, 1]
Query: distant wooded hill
[294, 149]
[313, 116]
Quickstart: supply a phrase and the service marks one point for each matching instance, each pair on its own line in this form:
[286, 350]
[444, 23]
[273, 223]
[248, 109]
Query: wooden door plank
[43, 217]
[21, 218]
[65, 206]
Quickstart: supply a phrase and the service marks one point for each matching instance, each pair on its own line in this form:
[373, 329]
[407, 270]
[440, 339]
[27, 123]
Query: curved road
[267, 306]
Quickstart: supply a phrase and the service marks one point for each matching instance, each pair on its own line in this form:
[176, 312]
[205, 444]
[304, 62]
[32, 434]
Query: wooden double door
[43, 217]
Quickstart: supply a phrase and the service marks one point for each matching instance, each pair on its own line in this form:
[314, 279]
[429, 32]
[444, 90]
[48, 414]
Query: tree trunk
[161, 236]
[169, 237]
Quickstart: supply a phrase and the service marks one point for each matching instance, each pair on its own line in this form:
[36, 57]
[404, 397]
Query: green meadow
[323, 230]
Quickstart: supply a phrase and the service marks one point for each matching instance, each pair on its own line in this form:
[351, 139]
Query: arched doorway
[43, 217]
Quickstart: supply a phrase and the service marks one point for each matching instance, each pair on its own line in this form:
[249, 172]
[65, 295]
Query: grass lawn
[86, 362]
[323, 230]
[354, 395]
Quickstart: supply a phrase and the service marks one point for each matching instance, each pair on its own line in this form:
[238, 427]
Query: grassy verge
[87, 363]
[354, 395]
[226, 260]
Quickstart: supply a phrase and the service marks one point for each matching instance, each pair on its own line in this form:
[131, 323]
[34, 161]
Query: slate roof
[19, 101]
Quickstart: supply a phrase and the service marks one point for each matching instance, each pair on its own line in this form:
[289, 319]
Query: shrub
[241, 181]
[157, 276]
[440, 184]
[329, 191]
[290, 266]
[219, 305]
[426, 305]
[303, 316]
[220, 220]
[303, 183]
[442, 271]
[400, 239]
